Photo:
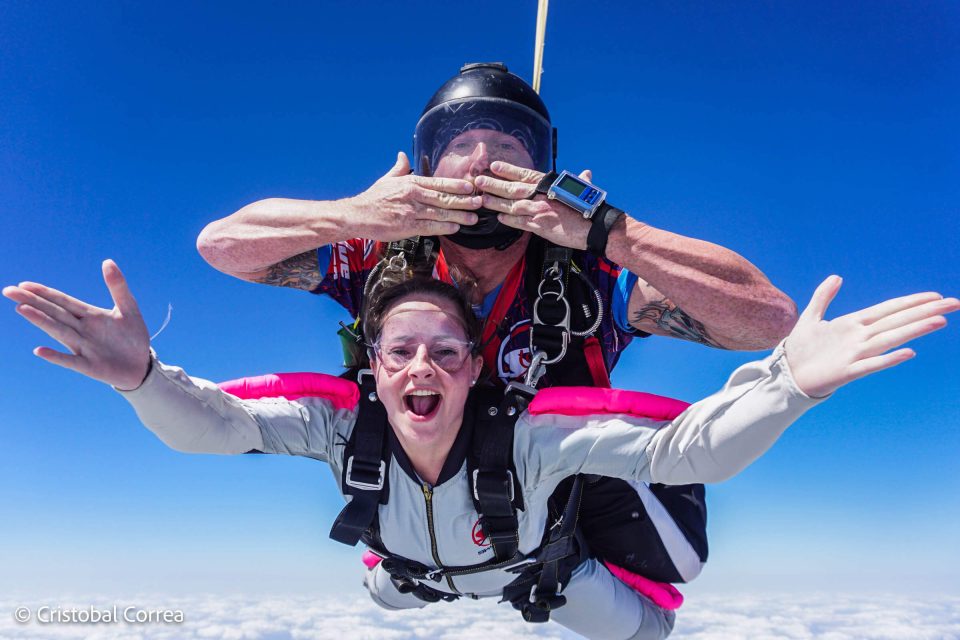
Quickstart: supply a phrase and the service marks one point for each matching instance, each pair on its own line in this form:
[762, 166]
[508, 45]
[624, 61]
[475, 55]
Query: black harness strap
[497, 498]
[493, 482]
[366, 464]
[537, 590]
[553, 319]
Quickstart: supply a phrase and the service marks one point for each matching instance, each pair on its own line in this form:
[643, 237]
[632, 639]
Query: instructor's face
[471, 153]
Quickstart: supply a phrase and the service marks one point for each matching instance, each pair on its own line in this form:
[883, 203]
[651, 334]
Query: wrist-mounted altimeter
[576, 193]
[585, 199]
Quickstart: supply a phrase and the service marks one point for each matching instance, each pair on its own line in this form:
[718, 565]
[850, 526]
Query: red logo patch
[479, 537]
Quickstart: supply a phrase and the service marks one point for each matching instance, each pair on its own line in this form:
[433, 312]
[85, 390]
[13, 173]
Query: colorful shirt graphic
[349, 263]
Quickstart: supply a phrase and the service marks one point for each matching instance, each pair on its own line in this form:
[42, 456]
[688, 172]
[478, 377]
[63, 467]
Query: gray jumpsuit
[712, 440]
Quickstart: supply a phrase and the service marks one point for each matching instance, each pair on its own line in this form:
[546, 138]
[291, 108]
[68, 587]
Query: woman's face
[424, 369]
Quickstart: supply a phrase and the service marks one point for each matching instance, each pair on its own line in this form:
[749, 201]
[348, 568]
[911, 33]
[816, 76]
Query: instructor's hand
[825, 355]
[110, 345]
[400, 205]
[546, 218]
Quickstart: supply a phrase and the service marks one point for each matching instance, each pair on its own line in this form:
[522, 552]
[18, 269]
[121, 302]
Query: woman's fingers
[23, 296]
[914, 313]
[821, 299]
[895, 337]
[53, 328]
[66, 360]
[119, 290]
[78, 308]
[867, 366]
[882, 310]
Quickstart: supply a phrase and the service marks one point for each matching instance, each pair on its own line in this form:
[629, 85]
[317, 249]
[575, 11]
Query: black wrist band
[600, 226]
[544, 185]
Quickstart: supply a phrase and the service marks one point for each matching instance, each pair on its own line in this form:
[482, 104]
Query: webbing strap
[365, 466]
[578, 367]
[545, 183]
[492, 482]
[538, 589]
[562, 544]
[550, 326]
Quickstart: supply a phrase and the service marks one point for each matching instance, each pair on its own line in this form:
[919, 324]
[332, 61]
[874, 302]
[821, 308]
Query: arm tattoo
[672, 319]
[300, 272]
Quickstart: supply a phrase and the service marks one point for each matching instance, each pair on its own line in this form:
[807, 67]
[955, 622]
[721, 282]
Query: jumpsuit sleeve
[193, 415]
[713, 440]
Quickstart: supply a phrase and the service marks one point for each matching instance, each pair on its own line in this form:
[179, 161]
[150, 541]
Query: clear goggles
[448, 354]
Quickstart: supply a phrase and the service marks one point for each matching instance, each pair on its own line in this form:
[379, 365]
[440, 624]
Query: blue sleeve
[626, 281]
[323, 258]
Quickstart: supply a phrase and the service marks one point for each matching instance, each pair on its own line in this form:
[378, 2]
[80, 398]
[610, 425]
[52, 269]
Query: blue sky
[811, 137]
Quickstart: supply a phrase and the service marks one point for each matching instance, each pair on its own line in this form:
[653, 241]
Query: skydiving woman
[423, 342]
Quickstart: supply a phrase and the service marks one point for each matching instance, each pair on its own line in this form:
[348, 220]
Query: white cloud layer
[713, 617]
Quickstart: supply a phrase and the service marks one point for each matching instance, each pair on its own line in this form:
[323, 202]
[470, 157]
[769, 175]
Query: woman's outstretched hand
[825, 355]
[110, 345]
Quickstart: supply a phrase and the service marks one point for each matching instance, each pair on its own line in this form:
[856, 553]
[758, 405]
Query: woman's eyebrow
[405, 338]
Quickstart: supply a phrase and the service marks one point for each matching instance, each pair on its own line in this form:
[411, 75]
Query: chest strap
[494, 486]
[366, 465]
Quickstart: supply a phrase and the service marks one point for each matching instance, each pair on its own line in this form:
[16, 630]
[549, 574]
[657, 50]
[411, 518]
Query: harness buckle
[476, 493]
[534, 596]
[546, 602]
[536, 369]
[563, 325]
[519, 387]
[366, 486]
[559, 297]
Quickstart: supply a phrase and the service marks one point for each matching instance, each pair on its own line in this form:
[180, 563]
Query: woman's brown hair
[394, 286]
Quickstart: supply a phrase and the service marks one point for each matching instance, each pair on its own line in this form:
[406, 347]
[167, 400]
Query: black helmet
[484, 95]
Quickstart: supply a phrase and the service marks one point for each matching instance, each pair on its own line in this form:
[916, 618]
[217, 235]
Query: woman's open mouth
[422, 403]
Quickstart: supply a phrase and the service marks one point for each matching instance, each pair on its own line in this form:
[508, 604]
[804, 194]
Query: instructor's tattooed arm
[650, 311]
[299, 272]
[672, 321]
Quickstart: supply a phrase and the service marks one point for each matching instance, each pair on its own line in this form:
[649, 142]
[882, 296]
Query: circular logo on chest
[479, 537]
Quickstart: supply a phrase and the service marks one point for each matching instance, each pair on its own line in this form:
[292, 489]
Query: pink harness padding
[370, 559]
[343, 394]
[663, 594]
[588, 401]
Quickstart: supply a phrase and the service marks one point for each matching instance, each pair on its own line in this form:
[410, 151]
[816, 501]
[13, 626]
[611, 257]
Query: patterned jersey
[349, 263]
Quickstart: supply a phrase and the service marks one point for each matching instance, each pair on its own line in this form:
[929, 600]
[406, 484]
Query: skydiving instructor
[481, 147]
[484, 185]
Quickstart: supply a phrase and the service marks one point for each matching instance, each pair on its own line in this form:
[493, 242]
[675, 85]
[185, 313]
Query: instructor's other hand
[110, 345]
[824, 355]
[549, 219]
[401, 205]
